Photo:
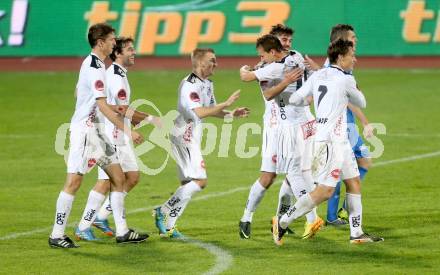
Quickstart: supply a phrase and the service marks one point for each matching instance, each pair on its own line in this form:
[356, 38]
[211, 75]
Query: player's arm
[217, 110]
[368, 129]
[289, 78]
[238, 112]
[246, 74]
[109, 113]
[311, 64]
[303, 96]
[355, 96]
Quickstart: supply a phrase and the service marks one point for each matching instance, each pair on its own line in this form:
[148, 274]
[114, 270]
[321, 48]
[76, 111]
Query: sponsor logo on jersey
[99, 85]
[122, 95]
[321, 120]
[336, 173]
[308, 129]
[194, 97]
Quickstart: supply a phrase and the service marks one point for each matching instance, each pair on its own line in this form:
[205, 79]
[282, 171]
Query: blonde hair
[199, 53]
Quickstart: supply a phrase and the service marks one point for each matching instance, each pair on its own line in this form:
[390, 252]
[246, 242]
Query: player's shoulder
[94, 62]
[192, 78]
[116, 71]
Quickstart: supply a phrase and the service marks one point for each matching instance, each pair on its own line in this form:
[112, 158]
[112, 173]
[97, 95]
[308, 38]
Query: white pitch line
[416, 157]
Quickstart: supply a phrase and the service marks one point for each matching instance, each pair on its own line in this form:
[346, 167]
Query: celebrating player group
[315, 153]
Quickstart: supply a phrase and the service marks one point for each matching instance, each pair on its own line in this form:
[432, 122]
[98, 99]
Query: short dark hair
[269, 42]
[340, 32]
[281, 29]
[339, 47]
[121, 43]
[99, 31]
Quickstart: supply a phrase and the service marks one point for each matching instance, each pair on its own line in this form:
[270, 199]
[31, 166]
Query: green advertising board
[173, 28]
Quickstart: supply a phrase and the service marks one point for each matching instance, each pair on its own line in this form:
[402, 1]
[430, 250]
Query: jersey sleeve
[97, 82]
[355, 96]
[190, 95]
[268, 72]
[117, 90]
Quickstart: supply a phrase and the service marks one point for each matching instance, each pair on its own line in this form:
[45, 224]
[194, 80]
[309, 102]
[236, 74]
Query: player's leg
[284, 198]
[266, 179]
[193, 177]
[78, 164]
[332, 208]
[63, 207]
[176, 205]
[96, 198]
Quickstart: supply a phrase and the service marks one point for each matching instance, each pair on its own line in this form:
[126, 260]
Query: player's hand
[136, 137]
[245, 68]
[293, 75]
[368, 131]
[241, 112]
[259, 65]
[310, 64]
[232, 98]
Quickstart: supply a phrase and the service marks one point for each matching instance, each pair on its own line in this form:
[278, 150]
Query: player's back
[330, 97]
[90, 85]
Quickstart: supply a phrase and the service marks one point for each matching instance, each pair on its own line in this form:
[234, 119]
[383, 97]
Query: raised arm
[217, 110]
[303, 96]
[246, 74]
[289, 78]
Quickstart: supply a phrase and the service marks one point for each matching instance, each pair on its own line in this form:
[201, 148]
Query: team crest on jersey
[122, 95]
[274, 158]
[91, 163]
[202, 164]
[336, 173]
[99, 85]
[194, 97]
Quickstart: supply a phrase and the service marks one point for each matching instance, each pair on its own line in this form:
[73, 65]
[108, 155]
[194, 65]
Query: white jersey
[90, 86]
[118, 93]
[332, 89]
[271, 75]
[193, 92]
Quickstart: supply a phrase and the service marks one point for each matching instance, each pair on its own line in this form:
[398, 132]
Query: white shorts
[189, 160]
[88, 147]
[127, 159]
[306, 136]
[269, 149]
[288, 151]
[333, 162]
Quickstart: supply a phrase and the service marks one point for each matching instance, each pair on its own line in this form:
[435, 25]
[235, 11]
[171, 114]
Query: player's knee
[102, 186]
[267, 179]
[365, 163]
[202, 183]
[132, 181]
[72, 185]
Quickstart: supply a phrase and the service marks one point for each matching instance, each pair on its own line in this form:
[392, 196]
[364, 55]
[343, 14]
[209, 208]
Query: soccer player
[339, 217]
[196, 101]
[88, 145]
[118, 93]
[332, 88]
[281, 150]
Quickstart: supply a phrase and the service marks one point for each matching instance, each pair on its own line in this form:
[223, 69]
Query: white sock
[94, 201]
[284, 198]
[256, 194]
[301, 187]
[117, 205]
[302, 206]
[64, 205]
[175, 206]
[354, 205]
[105, 210]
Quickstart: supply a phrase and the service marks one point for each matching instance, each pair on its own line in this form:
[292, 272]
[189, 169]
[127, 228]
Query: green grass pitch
[401, 199]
